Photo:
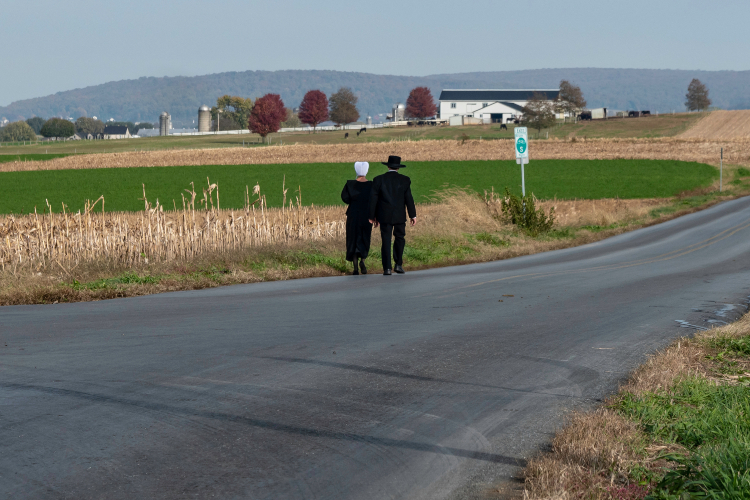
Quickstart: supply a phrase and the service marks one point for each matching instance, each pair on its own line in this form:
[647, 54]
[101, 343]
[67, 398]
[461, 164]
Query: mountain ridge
[144, 98]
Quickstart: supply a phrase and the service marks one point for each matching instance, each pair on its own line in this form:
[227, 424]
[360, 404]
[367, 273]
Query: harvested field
[130, 239]
[737, 152]
[721, 125]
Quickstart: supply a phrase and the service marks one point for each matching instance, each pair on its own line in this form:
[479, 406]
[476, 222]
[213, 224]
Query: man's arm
[410, 208]
[374, 195]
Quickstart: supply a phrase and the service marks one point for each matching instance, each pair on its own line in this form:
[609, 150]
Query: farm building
[116, 132]
[489, 106]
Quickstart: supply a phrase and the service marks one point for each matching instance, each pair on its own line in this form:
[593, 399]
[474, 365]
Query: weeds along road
[436, 384]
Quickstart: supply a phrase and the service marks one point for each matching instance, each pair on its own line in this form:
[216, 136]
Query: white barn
[116, 132]
[489, 106]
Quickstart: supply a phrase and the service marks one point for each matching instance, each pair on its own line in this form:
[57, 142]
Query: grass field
[322, 183]
[30, 157]
[654, 126]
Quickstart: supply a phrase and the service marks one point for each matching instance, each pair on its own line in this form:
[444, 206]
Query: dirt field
[706, 151]
[721, 125]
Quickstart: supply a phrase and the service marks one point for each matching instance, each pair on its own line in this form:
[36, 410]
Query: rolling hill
[143, 99]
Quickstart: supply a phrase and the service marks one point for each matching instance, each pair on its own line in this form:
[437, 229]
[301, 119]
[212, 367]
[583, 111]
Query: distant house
[89, 137]
[116, 132]
[489, 106]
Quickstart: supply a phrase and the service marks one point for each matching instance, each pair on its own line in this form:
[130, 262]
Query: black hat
[394, 162]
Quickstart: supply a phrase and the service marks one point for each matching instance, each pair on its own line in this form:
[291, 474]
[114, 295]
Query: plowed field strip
[737, 152]
[721, 125]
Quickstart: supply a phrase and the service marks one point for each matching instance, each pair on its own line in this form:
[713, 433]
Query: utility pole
[721, 169]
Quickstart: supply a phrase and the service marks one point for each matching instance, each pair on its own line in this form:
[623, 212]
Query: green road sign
[522, 143]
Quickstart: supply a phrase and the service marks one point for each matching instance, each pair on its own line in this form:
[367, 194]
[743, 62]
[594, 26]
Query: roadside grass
[678, 429]
[320, 183]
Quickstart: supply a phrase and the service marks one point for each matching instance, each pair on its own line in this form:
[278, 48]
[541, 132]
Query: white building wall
[477, 109]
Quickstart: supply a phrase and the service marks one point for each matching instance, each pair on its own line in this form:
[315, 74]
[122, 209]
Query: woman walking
[356, 194]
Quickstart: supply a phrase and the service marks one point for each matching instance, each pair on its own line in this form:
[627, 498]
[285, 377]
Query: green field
[322, 183]
[652, 126]
[30, 157]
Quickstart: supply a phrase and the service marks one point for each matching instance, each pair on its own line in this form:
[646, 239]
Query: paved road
[436, 384]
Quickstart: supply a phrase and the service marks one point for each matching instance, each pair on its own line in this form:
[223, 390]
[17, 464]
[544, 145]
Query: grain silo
[204, 119]
[165, 123]
[398, 112]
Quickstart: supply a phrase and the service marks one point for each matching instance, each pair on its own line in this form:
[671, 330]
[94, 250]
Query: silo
[204, 119]
[164, 123]
[398, 112]
[369, 120]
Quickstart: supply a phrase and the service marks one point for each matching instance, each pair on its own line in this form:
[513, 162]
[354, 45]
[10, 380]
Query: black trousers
[399, 232]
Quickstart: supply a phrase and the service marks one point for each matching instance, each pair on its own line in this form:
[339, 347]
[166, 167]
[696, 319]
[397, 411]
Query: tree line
[268, 114]
[58, 127]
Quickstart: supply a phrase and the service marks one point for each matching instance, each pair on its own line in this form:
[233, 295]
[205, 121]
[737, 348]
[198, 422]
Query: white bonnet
[361, 167]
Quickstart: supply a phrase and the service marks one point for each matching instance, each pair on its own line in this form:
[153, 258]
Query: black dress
[358, 228]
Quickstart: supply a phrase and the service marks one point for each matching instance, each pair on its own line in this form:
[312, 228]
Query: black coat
[358, 228]
[391, 198]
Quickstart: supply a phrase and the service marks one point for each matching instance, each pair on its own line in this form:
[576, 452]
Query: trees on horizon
[343, 105]
[16, 132]
[267, 114]
[313, 109]
[91, 126]
[420, 103]
[292, 119]
[234, 108]
[57, 127]
[697, 96]
[570, 99]
[36, 123]
[539, 112]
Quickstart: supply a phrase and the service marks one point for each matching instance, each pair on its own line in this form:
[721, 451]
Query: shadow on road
[266, 424]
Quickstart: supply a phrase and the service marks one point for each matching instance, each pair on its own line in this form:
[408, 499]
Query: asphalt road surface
[436, 384]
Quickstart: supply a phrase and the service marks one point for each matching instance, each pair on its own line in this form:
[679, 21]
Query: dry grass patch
[604, 455]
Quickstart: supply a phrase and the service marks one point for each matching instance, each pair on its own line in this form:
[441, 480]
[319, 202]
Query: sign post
[522, 152]
[721, 168]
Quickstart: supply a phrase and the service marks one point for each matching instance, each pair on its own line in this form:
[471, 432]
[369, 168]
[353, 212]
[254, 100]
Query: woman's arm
[345, 195]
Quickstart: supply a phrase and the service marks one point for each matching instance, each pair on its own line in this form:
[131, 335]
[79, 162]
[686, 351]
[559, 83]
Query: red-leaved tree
[314, 108]
[420, 103]
[267, 115]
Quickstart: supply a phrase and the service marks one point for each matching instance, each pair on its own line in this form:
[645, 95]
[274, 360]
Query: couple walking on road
[382, 202]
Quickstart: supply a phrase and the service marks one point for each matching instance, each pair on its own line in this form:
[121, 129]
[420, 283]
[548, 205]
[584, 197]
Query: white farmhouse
[116, 132]
[488, 106]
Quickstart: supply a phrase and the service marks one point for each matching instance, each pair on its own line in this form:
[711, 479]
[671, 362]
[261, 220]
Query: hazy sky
[52, 45]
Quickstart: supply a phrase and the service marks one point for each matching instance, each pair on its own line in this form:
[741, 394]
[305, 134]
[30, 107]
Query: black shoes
[387, 272]
[399, 269]
[362, 267]
[356, 272]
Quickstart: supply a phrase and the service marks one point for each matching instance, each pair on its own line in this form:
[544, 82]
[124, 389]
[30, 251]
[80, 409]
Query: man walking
[390, 198]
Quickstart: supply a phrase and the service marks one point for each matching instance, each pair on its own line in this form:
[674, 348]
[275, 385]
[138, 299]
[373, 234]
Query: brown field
[720, 125]
[737, 152]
